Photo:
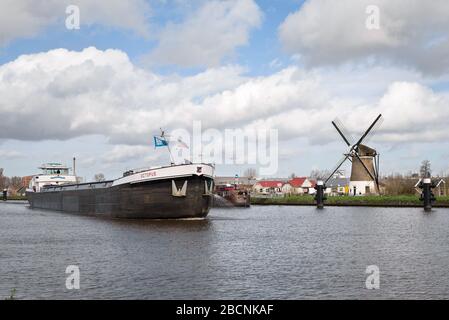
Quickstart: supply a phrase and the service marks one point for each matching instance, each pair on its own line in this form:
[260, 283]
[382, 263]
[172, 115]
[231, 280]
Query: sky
[102, 91]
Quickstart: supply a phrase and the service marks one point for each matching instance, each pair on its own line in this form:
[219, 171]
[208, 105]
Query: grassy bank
[15, 198]
[381, 201]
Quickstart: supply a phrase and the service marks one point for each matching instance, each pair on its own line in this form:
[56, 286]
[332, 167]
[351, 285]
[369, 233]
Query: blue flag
[160, 142]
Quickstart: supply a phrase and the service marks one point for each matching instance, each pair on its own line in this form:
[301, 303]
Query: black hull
[143, 200]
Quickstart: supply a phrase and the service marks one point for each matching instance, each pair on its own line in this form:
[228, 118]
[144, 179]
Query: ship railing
[78, 186]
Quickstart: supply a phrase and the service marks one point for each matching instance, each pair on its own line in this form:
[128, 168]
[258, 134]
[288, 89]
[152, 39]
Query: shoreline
[408, 201]
[14, 201]
[435, 205]
[308, 201]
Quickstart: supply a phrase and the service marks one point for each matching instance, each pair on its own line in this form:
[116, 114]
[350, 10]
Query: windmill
[365, 160]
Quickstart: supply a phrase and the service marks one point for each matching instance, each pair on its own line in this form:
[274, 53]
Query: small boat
[166, 192]
[235, 196]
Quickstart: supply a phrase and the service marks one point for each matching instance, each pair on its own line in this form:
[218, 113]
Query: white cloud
[131, 14]
[414, 113]
[412, 33]
[124, 153]
[10, 154]
[209, 35]
[275, 64]
[64, 94]
[26, 18]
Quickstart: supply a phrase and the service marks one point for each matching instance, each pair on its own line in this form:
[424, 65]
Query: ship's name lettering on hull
[148, 174]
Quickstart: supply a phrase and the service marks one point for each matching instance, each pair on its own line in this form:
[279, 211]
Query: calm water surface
[259, 253]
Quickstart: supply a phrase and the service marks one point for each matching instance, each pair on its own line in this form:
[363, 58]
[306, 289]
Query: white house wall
[360, 187]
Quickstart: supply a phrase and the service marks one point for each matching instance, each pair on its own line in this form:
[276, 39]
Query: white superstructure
[168, 172]
[57, 175]
[53, 174]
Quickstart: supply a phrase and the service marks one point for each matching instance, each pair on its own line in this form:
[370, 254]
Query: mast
[168, 146]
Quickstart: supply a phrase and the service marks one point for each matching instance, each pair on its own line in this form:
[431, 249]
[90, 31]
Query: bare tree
[2, 180]
[425, 169]
[15, 182]
[99, 177]
[250, 173]
[292, 175]
[319, 174]
[399, 185]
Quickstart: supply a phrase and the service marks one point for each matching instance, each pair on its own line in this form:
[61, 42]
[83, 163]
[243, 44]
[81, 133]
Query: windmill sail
[365, 160]
[349, 139]
[339, 164]
[373, 131]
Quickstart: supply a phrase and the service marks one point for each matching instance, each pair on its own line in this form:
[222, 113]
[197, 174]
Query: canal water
[265, 252]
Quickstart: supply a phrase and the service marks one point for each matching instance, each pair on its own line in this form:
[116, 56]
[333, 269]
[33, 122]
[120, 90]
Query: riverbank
[15, 198]
[365, 201]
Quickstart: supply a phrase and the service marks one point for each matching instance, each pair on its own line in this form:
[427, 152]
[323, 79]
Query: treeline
[14, 182]
[399, 185]
[405, 184]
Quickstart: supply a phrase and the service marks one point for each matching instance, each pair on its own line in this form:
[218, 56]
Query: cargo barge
[170, 192]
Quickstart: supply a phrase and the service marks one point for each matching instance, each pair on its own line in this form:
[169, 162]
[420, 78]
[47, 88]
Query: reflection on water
[258, 253]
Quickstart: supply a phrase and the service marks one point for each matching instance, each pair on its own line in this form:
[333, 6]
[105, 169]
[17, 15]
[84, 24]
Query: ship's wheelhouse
[52, 174]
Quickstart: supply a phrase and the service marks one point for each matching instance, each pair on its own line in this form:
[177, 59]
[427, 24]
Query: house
[301, 185]
[21, 191]
[287, 189]
[26, 181]
[337, 186]
[268, 187]
[439, 190]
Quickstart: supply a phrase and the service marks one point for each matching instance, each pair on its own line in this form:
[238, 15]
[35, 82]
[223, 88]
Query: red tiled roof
[271, 184]
[297, 182]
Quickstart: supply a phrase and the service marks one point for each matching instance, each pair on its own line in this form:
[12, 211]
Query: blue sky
[286, 65]
[263, 49]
